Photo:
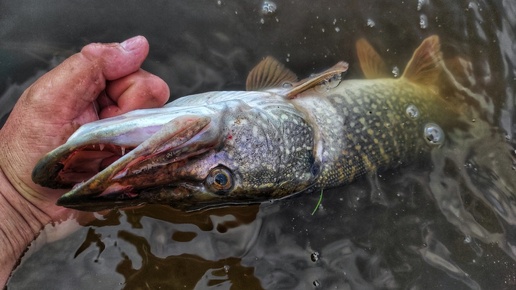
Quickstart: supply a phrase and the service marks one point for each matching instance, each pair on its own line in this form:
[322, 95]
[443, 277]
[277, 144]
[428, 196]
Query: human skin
[101, 81]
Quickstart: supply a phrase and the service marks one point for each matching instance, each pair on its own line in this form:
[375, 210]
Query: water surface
[443, 222]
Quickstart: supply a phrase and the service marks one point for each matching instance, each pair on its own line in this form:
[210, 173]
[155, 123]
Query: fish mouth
[110, 175]
[78, 165]
[120, 196]
[91, 162]
[99, 178]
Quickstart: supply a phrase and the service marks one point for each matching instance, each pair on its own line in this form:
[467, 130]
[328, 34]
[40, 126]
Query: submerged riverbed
[447, 221]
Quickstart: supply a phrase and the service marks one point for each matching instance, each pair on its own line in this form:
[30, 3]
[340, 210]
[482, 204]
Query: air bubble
[434, 135]
[412, 111]
[423, 21]
[420, 4]
[395, 71]
[370, 22]
[268, 7]
[315, 256]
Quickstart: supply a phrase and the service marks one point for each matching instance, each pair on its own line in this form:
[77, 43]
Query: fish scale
[368, 128]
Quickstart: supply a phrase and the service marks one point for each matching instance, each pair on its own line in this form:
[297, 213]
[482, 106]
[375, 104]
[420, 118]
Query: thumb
[72, 86]
[117, 60]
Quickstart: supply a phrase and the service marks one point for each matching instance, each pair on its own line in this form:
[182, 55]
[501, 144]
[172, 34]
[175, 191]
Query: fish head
[188, 158]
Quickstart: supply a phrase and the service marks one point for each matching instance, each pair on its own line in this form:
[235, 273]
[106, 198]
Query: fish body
[278, 138]
[364, 126]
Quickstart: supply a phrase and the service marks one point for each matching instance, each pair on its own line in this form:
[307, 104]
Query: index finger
[138, 90]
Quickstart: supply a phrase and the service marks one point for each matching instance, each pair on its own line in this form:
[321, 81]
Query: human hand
[101, 81]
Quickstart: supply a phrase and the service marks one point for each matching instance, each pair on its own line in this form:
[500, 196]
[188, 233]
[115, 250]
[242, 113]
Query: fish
[279, 137]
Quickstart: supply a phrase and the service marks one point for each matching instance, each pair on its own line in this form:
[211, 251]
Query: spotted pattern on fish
[363, 126]
[260, 132]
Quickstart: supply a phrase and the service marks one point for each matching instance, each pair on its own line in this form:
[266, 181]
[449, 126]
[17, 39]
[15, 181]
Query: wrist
[21, 223]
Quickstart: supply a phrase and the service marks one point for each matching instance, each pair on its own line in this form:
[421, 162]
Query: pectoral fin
[317, 79]
[271, 74]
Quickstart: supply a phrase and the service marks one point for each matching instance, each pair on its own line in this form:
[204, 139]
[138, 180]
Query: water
[444, 222]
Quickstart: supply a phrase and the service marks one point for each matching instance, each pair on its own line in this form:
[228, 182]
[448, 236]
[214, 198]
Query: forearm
[20, 222]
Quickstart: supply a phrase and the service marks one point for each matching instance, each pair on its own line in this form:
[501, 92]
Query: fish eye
[219, 180]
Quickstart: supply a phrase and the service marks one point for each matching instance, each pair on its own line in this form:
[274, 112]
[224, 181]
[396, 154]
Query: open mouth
[109, 165]
[89, 170]
[87, 161]
[97, 173]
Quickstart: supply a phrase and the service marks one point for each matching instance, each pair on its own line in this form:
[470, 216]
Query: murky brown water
[446, 222]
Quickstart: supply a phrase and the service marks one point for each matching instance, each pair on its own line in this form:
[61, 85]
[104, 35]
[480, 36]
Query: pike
[278, 138]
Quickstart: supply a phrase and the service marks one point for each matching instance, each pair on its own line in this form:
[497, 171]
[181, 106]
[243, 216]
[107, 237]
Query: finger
[103, 101]
[118, 59]
[73, 85]
[135, 91]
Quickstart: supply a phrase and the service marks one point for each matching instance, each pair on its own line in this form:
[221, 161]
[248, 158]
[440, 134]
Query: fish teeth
[101, 146]
[123, 150]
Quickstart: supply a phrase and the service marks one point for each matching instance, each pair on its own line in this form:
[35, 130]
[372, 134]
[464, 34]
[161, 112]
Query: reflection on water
[446, 222]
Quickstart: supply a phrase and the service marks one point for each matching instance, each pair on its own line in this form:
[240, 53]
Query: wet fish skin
[221, 148]
[364, 126]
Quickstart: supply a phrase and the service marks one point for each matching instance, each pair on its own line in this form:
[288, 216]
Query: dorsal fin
[425, 66]
[317, 79]
[269, 73]
[371, 63]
